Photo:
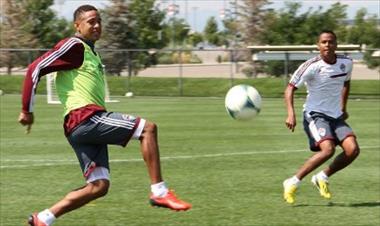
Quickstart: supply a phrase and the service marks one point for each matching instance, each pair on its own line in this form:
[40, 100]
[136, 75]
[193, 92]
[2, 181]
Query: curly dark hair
[81, 9]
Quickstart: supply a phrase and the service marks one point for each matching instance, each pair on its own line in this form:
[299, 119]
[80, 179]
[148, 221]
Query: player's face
[89, 25]
[327, 45]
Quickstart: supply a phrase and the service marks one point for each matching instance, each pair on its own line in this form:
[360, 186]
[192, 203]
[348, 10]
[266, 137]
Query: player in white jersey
[327, 79]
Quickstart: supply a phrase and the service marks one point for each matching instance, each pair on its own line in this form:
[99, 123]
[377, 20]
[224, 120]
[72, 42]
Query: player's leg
[350, 152]
[291, 184]
[150, 151]
[327, 151]
[350, 147]
[73, 200]
[93, 159]
[344, 135]
[161, 196]
[321, 141]
[80, 197]
[119, 129]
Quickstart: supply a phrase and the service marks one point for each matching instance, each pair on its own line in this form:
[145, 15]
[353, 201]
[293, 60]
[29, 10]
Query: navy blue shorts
[90, 139]
[320, 127]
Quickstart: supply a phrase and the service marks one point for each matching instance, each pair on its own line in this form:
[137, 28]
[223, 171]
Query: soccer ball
[243, 102]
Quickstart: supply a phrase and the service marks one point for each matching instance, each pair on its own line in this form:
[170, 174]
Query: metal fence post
[180, 85]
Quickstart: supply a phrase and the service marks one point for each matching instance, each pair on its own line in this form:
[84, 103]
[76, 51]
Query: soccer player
[88, 127]
[327, 79]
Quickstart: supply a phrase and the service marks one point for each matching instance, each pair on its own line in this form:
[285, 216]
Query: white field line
[56, 162]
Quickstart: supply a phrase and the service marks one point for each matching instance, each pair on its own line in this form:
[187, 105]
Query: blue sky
[198, 11]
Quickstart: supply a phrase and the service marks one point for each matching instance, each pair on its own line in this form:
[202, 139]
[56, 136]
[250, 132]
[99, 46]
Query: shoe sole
[159, 205]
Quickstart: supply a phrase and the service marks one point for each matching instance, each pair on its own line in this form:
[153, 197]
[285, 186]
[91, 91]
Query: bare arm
[345, 93]
[290, 121]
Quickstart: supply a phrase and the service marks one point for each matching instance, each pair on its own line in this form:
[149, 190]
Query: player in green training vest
[88, 126]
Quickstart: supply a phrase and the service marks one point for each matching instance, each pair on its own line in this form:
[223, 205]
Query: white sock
[46, 216]
[294, 180]
[160, 189]
[321, 175]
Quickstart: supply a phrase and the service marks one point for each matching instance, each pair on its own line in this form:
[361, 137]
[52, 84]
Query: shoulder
[71, 43]
[309, 64]
[344, 58]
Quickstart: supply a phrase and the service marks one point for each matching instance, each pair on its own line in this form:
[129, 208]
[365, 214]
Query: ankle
[159, 189]
[46, 216]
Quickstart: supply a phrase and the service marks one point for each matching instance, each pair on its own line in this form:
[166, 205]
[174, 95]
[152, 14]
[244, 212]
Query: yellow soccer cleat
[289, 192]
[322, 186]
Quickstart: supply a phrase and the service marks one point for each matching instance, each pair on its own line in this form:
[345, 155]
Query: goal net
[52, 96]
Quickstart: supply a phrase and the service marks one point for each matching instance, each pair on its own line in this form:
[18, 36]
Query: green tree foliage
[366, 31]
[195, 38]
[211, 31]
[131, 25]
[290, 27]
[43, 24]
[177, 31]
[29, 24]
[13, 35]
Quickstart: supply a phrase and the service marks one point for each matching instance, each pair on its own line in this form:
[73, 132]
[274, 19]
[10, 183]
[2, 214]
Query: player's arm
[67, 54]
[345, 93]
[290, 121]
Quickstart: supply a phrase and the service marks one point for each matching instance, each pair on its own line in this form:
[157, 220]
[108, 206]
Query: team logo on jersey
[343, 67]
[322, 132]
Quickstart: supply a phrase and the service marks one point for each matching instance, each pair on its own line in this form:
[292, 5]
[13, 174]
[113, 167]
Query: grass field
[196, 87]
[230, 171]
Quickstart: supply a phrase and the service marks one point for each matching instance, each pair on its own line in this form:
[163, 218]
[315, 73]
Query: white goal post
[52, 96]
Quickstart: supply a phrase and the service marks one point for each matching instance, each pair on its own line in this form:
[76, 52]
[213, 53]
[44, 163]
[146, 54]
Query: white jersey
[324, 83]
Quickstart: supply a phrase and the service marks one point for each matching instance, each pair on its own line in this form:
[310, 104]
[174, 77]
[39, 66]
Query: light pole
[172, 10]
[195, 8]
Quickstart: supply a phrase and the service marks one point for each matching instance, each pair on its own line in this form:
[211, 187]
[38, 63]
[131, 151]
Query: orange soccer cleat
[169, 201]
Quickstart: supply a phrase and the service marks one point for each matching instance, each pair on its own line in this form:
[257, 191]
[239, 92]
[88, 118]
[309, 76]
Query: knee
[99, 188]
[353, 152]
[150, 128]
[328, 151]
[351, 148]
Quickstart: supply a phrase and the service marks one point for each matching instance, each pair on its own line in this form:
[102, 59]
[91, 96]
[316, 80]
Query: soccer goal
[52, 96]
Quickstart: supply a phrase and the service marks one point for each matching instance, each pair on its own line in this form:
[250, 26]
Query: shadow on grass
[335, 204]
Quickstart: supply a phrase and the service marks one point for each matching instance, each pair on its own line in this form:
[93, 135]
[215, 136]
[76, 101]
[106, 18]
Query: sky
[196, 12]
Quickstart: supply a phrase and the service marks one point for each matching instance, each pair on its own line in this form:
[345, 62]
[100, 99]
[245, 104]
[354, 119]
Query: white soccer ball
[129, 94]
[243, 102]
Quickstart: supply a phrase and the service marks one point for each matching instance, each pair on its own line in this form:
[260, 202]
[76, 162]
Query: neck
[330, 59]
[88, 42]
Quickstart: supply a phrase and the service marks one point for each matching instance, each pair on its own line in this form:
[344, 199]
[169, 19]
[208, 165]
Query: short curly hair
[81, 9]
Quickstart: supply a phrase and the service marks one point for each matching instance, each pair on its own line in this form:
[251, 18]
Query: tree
[43, 24]
[117, 34]
[131, 25]
[365, 31]
[250, 16]
[177, 31]
[12, 34]
[289, 27]
[211, 32]
[29, 24]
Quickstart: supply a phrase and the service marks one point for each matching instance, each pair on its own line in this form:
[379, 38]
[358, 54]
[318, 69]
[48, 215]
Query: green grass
[196, 87]
[230, 171]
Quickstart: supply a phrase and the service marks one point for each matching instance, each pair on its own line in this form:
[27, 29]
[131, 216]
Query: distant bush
[174, 58]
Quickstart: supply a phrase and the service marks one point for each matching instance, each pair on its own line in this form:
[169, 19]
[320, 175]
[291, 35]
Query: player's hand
[26, 119]
[291, 123]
